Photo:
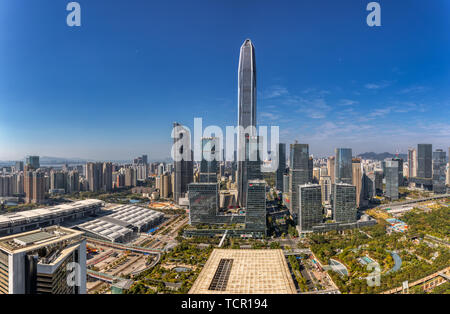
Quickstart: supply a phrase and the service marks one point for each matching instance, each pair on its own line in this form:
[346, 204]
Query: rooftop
[245, 272]
[36, 239]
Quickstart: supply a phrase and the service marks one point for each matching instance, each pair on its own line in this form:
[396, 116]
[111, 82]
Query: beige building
[357, 178]
[331, 165]
[245, 272]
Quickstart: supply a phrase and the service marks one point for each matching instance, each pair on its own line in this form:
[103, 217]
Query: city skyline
[324, 82]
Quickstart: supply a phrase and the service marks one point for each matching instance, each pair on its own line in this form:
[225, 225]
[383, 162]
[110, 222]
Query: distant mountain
[45, 160]
[380, 156]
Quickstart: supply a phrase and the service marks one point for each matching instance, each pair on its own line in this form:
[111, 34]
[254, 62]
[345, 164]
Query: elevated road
[442, 273]
[125, 247]
[420, 200]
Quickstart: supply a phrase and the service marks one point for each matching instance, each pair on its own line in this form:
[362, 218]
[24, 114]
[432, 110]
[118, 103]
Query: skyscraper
[299, 172]
[94, 176]
[310, 206]
[246, 111]
[209, 164]
[107, 176]
[255, 216]
[392, 179]
[343, 165]
[439, 163]
[183, 164]
[411, 163]
[281, 155]
[331, 168]
[344, 202]
[33, 162]
[424, 161]
[357, 179]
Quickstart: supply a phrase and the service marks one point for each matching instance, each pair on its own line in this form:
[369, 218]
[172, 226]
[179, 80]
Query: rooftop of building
[245, 272]
[32, 240]
[29, 215]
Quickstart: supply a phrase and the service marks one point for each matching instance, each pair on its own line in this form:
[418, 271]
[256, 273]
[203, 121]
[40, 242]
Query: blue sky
[111, 88]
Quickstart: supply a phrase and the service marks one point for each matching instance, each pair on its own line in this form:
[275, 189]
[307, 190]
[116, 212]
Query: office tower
[439, 163]
[325, 184]
[412, 162]
[331, 161]
[94, 176]
[281, 170]
[392, 177]
[378, 175]
[39, 262]
[299, 172]
[203, 202]
[209, 161]
[424, 161]
[344, 202]
[19, 166]
[255, 216]
[343, 165]
[369, 184]
[145, 159]
[286, 183]
[246, 112]
[33, 162]
[73, 182]
[400, 170]
[310, 207]
[183, 164]
[357, 179]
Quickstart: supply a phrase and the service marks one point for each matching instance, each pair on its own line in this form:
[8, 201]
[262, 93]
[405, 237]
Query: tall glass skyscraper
[298, 173]
[424, 161]
[183, 167]
[246, 112]
[281, 155]
[343, 165]
[392, 178]
[439, 164]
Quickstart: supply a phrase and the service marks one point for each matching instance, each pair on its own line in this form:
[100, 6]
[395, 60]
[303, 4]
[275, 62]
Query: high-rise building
[378, 182]
[209, 162]
[107, 176]
[19, 166]
[34, 186]
[357, 179]
[325, 184]
[344, 202]
[130, 177]
[94, 176]
[286, 183]
[343, 165]
[298, 172]
[203, 202]
[255, 216]
[166, 185]
[310, 207]
[246, 112]
[331, 161]
[73, 182]
[43, 261]
[400, 169]
[33, 162]
[439, 164]
[412, 162]
[183, 163]
[392, 177]
[281, 170]
[424, 161]
[448, 168]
